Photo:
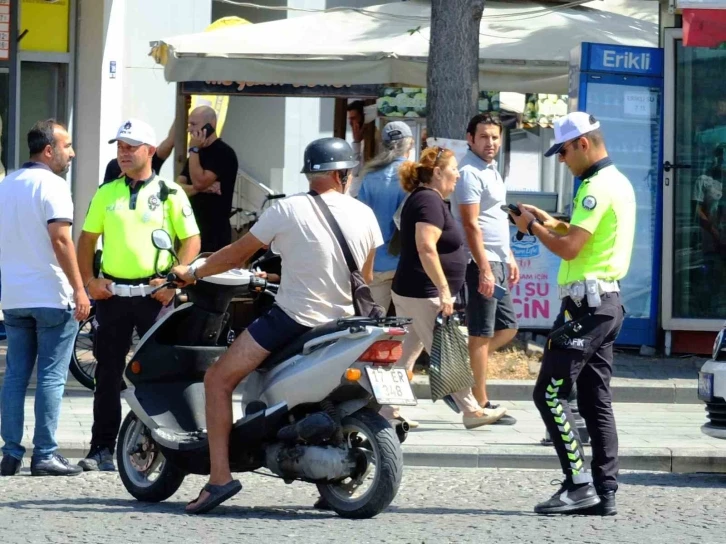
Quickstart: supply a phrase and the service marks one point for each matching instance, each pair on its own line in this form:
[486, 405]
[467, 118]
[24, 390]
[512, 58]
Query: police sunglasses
[563, 150]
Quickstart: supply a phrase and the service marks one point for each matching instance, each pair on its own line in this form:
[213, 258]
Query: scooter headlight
[719, 346]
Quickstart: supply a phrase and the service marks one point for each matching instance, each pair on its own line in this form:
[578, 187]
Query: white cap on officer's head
[135, 133]
[571, 126]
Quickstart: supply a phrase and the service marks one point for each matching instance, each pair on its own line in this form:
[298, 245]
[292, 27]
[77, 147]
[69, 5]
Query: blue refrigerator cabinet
[622, 87]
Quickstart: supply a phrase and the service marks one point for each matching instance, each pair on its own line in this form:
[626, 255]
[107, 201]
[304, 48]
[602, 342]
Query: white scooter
[310, 411]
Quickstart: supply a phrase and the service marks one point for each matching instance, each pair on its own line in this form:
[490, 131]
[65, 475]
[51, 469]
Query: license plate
[705, 386]
[391, 386]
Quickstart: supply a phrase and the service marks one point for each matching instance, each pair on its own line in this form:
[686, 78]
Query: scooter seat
[296, 346]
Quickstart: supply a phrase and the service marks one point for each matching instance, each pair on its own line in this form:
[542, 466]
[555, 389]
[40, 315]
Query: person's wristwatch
[193, 270]
[532, 222]
[194, 149]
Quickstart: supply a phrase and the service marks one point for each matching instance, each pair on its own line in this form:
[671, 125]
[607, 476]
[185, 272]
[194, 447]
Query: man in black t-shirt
[113, 170]
[208, 179]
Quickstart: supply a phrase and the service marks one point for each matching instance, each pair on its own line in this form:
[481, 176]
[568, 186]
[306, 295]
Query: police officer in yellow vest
[126, 211]
[595, 248]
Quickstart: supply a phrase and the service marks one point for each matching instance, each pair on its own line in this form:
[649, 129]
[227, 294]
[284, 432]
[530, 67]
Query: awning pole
[340, 117]
[180, 130]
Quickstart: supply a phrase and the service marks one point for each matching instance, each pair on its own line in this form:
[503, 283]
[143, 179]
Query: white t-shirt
[315, 284]
[30, 199]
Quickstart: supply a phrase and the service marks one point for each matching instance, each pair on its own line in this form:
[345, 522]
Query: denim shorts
[275, 329]
[484, 315]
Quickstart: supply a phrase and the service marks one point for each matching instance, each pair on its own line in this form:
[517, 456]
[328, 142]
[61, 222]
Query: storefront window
[699, 291]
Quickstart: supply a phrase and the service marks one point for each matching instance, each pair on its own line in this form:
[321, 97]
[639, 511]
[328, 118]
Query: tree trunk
[453, 67]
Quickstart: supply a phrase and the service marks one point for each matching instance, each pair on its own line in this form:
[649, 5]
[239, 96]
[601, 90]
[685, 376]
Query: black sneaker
[506, 419]
[570, 499]
[606, 507]
[10, 466]
[57, 465]
[98, 459]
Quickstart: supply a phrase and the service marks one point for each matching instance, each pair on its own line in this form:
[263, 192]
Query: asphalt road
[433, 506]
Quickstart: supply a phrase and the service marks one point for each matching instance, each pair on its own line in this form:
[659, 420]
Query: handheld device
[511, 209]
[499, 291]
[208, 130]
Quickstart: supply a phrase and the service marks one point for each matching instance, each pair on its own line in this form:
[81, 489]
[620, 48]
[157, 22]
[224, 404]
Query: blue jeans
[45, 334]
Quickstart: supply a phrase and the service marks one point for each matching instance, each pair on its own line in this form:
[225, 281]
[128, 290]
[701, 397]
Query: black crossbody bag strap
[335, 227]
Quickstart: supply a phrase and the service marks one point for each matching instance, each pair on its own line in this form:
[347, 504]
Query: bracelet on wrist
[88, 283]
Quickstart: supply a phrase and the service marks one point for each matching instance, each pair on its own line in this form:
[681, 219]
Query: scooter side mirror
[161, 240]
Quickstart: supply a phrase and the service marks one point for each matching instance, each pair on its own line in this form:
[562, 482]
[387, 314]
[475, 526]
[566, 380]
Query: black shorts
[484, 315]
[275, 329]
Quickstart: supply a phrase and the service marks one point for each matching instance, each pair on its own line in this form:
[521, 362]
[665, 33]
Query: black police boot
[571, 498]
[10, 466]
[57, 465]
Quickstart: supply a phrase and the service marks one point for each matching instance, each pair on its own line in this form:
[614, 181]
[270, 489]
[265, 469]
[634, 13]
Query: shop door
[694, 204]
[43, 95]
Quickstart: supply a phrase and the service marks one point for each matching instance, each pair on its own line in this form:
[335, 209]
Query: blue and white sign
[641, 61]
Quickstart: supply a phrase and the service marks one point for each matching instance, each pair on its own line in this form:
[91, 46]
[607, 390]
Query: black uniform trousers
[585, 357]
[116, 317]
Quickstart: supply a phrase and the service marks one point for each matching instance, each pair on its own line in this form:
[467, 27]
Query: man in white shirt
[41, 284]
[476, 203]
[316, 292]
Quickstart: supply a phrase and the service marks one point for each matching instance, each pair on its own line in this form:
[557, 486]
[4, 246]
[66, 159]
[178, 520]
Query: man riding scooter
[315, 291]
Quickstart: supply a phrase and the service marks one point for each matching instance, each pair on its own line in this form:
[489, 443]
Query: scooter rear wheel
[144, 470]
[370, 491]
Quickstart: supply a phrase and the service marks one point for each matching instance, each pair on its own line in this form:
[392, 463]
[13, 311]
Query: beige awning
[524, 46]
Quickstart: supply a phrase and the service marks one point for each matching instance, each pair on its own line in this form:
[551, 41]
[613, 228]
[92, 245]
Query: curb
[681, 460]
[657, 391]
[543, 458]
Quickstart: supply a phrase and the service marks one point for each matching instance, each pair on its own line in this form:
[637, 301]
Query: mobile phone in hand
[507, 208]
[510, 209]
[499, 291]
[208, 130]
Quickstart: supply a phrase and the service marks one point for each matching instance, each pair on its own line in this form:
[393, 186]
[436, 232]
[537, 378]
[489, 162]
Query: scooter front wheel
[144, 470]
[374, 485]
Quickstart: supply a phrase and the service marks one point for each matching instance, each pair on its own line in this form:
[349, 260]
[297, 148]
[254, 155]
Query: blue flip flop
[217, 495]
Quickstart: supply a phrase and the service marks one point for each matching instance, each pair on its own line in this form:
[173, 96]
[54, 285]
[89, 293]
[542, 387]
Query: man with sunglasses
[595, 248]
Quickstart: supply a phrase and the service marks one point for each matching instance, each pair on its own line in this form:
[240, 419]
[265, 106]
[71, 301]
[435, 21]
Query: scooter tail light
[353, 374]
[383, 352]
[396, 331]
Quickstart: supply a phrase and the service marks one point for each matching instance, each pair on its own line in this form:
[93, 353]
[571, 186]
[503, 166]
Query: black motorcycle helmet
[327, 155]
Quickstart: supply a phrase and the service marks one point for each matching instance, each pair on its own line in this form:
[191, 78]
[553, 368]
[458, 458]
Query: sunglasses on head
[438, 155]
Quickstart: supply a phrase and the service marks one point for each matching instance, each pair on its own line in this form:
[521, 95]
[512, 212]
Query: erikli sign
[643, 61]
[627, 60]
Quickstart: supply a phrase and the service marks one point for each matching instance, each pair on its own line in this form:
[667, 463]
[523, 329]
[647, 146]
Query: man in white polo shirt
[41, 285]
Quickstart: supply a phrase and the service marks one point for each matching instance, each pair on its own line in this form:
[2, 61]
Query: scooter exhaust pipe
[401, 428]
